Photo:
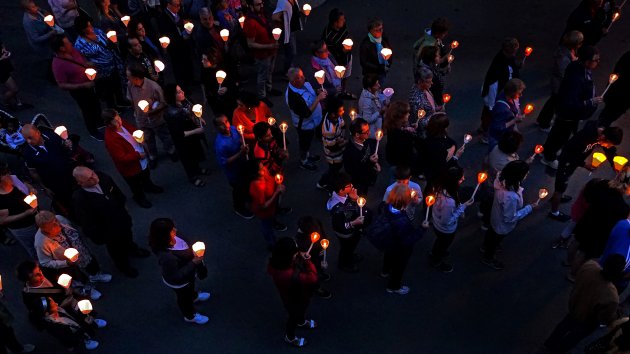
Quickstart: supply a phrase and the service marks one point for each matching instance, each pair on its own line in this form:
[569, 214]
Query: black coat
[576, 91]
[369, 57]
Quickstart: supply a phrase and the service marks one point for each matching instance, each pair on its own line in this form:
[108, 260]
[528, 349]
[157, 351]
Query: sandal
[199, 183]
[296, 341]
[310, 324]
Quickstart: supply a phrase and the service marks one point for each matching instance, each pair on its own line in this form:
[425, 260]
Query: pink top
[70, 71]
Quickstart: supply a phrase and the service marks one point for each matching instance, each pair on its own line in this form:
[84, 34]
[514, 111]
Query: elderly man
[306, 114]
[47, 157]
[101, 212]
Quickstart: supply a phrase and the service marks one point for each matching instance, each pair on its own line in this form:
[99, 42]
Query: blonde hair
[399, 197]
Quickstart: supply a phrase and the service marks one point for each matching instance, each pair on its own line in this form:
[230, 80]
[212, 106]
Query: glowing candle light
[225, 34]
[90, 73]
[314, 238]
[111, 35]
[388, 92]
[446, 98]
[386, 53]
[241, 21]
[31, 200]
[271, 121]
[164, 41]
[615, 17]
[361, 202]
[528, 51]
[430, 200]
[62, 132]
[454, 44]
[340, 71]
[138, 136]
[85, 306]
[50, 20]
[188, 26]
[64, 280]
[598, 158]
[542, 194]
[450, 58]
[307, 9]
[199, 248]
[197, 110]
[353, 114]
[71, 254]
[220, 75]
[241, 130]
[611, 79]
[538, 149]
[324, 243]
[279, 178]
[467, 138]
[619, 162]
[276, 32]
[159, 66]
[481, 177]
[283, 128]
[529, 108]
[125, 20]
[320, 76]
[379, 136]
[421, 113]
[143, 105]
[347, 44]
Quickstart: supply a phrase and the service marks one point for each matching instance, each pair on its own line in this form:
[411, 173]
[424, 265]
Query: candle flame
[197, 110]
[72, 254]
[386, 53]
[199, 248]
[598, 158]
[421, 113]
[361, 201]
[307, 9]
[446, 98]
[454, 44]
[225, 34]
[279, 178]
[619, 162]
[324, 242]
[340, 71]
[64, 280]
[283, 127]
[379, 134]
[481, 177]
[538, 149]
[85, 306]
[613, 78]
[528, 51]
[542, 193]
[165, 41]
[529, 108]
[430, 200]
[467, 138]
[221, 75]
[271, 121]
[314, 237]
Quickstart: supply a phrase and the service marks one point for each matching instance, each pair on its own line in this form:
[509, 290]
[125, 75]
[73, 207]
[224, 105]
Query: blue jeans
[266, 226]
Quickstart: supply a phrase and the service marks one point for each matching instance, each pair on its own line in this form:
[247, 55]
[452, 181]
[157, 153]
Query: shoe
[153, 164]
[551, 164]
[100, 278]
[90, 344]
[174, 156]
[562, 217]
[152, 188]
[278, 226]
[245, 214]
[201, 296]
[493, 263]
[479, 215]
[443, 267]
[323, 293]
[267, 102]
[100, 323]
[404, 290]
[324, 277]
[284, 210]
[27, 348]
[383, 275]
[95, 294]
[143, 202]
[313, 158]
[349, 269]
[140, 253]
[296, 341]
[483, 140]
[560, 243]
[130, 272]
[320, 186]
[484, 227]
[310, 324]
[545, 130]
[98, 136]
[566, 199]
[274, 92]
[308, 166]
[198, 319]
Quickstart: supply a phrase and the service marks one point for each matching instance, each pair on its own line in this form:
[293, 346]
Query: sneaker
[143, 203]
[307, 165]
[560, 243]
[296, 341]
[551, 164]
[560, 216]
[100, 278]
[245, 214]
[201, 296]
[323, 293]
[100, 323]
[321, 186]
[198, 319]
[278, 226]
[310, 324]
[95, 294]
[545, 130]
[90, 344]
[313, 158]
[284, 210]
[27, 348]
[404, 290]
[493, 263]
[443, 267]
[383, 275]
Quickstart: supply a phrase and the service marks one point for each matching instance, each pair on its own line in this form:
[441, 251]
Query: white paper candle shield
[225, 34]
[271, 121]
[347, 44]
[138, 135]
[221, 75]
[85, 306]
[197, 110]
[90, 73]
[164, 41]
[241, 21]
[276, 32]
[71, 254]
[50, 20]
[188, 26]
[340, 71]
[386, 53]
[62, 132]
[199, 248]
[320, 76]
[125, 20]
[64, 280]
[388, 92]
[143, 105]
[159, 66]
[111, 35]
[307, 9]
[31, 200]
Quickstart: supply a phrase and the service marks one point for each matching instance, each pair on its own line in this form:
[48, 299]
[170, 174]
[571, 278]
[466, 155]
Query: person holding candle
[591, 19]
[249, 111]
[372, 62]
[306, 114]
[372, 104]
[137, 56]
[433, 37]
[16, 215]
[565, 54]
[66, 12]
[188, 134]
[129, 156]
[430, 59]
[576, 102]
[507, 210]
[287, 14]
[446, 213]
[443, 150]
[108, 20]
[348, 220]
[321, 60]
[402, 175]
[267, 150]
[506, 112]
[295, 277]
[334, 34]
[421, 98]
[265, 194]
[221, 97]
[574, 153]
[171, 24]
[503, 68]
[616, 99]
[401, 137]
[333, 142]
[360, 159]
[38, 32]
[307, 225]
[180, 267]
[150, 46]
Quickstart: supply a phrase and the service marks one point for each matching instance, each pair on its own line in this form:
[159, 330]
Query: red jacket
[295, 289]
[126, 158]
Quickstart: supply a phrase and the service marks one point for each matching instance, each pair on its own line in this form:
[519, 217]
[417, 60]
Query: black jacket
[369, 57]
[581, 146]
[501, 70]
[575, 93]
[356, 162]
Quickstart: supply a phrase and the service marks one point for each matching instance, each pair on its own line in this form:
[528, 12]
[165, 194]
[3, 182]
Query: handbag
[379, 232]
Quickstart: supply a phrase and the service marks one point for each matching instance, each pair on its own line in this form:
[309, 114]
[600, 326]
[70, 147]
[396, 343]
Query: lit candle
[159, 66]
[90, 73]
[50, 20]
[454, 44]
[279, 178]
[283, 128]
[430, 200]
[197, 110]
[324, 242]
[241, 21]
[598, 158]
[386, 53]
[413, 193]
[320, 76]
[125, 20]
[306, 9]
[353, 114]
[347, 44]
[450, 58]
[221, 75]
[379, 136]
[538, 149]
[188, 26]
[71, 254]
[421, 113]
[199, 248]
[446, 98]
[85, 306]
[31, 200]
[138, 135]
[241, 129]
[615, 17]
[388, 92]
[340, 71]
[529, 108]
[164, 41]
[611, 79]
[481, 177]
[314, 238]
[542, 194]
[225, 34]
[528, 51]
[619, 162]
[111, 35]
[271, 121]
[62, 132]
[361, 202]
[143, 105]
[64, 280]
[276, 32]
[467, 138]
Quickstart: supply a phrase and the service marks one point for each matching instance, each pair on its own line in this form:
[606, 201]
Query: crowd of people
[142, 59]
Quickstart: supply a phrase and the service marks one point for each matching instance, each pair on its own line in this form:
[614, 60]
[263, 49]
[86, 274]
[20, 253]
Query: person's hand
[358, 221]
[222, 91]
[281, 188]
[142, 155]
[354, 195]
[469, 202]
[460, 151]
[597, 100]
[33, 211]
[534, 205]
[590, 167]
[374, 158]
[284, 154]
[244, 149]
[414, 126]
[529, 160]
[425, 224]
[203, 121]
[324, 264]
[322, 95]
[197, 260]
[377, 167]
[519, 118]
[274, 45]
[68, 143]
[305, 255]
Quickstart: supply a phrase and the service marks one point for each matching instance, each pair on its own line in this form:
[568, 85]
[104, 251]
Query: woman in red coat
[129, 157]
[295, 277]
[265, 192]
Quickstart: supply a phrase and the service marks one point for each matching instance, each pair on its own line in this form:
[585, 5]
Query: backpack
[379, 232]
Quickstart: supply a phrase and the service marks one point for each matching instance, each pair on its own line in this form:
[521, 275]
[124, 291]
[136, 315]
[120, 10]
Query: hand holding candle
[225, 34]
[241, 21]
[159, 66]
[164, 41]
[197, 110]
[71, 254]
[220, 75]
[306, 9]
[386, 53]
[276, 32]
[361, 202]
[481, 177]
[125, 20]
[347, 44]
[64, 280]
[138, 136]
[143, 105]
[320, 76]
[188, 26]
[62, 132]
[283, 128]
[111, 35]
[199, 248]
[50, 20]
[430, 200]
[90, 73]
[31, 200]
[314, 238]
[340, 71]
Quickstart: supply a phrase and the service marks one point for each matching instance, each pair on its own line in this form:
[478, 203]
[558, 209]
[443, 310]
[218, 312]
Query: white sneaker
[100, 323]
[551, 164]
[100, 278]
[404, 290]
[202, 296]
[198, 319]
[27, 348]
[90, 344]
[95, 294]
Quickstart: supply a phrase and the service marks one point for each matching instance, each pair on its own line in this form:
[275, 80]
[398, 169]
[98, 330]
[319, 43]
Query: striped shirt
[331, 132]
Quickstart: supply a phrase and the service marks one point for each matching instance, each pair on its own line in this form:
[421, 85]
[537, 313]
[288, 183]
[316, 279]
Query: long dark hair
[450, 182]
[160, 234]
[513, 174]
[283, 252]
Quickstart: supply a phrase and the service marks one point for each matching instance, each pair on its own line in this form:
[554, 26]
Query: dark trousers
[109, 90]
[90, 108]
[120, 249]
[567, 334]
[347, 245]
[191, 166]
[560, 133]
[185, 300]
[611, 113]
[486, 118]
[305, 139]
[328, 178]
[266, 227]
[137, 183]
[491, 242]
[440, 247]
[394, 263]
[8, 340]
[297, 314]
[240, 194]
[547, 112]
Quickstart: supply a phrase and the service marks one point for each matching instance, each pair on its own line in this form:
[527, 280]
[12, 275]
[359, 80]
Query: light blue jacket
[507, 208]
[446, 213]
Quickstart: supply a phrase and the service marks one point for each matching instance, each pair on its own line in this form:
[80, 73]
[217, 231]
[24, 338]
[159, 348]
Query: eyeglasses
[378, 29]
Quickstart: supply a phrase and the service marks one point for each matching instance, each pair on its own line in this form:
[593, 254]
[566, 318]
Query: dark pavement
[472, 310]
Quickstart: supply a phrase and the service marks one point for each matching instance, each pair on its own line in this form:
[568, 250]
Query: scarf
[328, 67]
[379, 47]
